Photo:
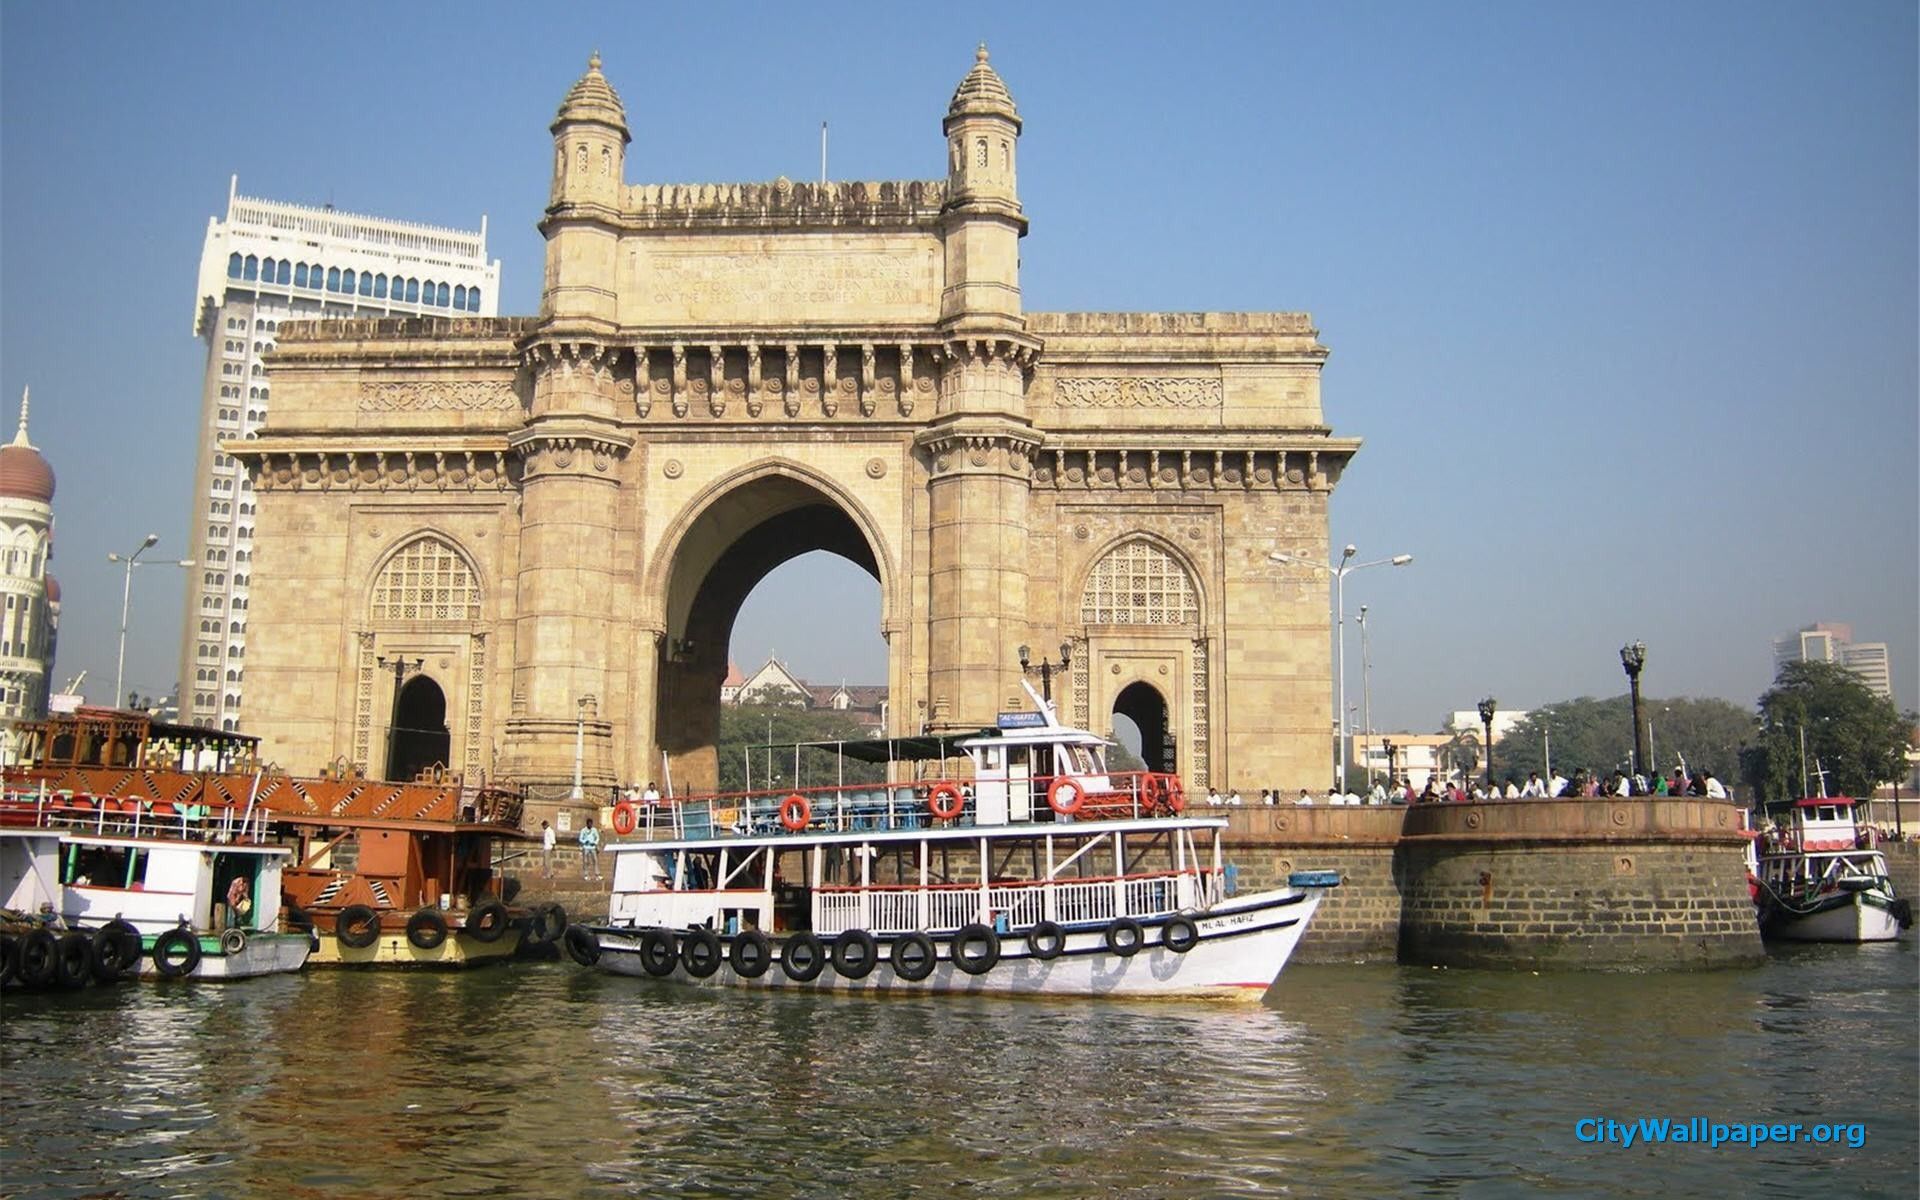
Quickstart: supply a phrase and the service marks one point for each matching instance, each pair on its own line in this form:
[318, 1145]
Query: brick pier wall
[1903, 867]
[1557, 883]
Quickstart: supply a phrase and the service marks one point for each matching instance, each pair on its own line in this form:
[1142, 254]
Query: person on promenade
[1715, 789]
[1558, 787]
[1513, 788]
[1432, 794]
[589, 851]
[1306, 797]
[1659, 785]
[546, 850]
[1534, 789]
[1234, 799]
[1213, 797]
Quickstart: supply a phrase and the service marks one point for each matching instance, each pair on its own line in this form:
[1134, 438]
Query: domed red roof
[53, 590]
[24, 475]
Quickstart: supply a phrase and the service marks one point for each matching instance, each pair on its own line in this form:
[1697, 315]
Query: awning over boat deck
[918, 748]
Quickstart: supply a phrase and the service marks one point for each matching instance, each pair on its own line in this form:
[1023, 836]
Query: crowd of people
[1583, 783]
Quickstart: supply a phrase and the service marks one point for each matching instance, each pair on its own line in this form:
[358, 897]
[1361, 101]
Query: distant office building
[30, 619]
[266, 263]
[1827, 641]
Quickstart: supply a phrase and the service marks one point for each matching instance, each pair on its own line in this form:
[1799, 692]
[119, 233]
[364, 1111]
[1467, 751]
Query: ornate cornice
[1302, 464]
[442, 469]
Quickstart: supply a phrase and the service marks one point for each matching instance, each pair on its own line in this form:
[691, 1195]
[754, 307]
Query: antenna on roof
[823, 152]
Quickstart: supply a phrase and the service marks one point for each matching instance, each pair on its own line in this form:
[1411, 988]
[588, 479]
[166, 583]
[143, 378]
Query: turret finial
[593, 61]
[20, 437]
[980, 55]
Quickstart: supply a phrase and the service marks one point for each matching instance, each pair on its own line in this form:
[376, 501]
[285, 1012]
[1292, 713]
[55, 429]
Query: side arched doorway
[420, 736]
[1142, 704]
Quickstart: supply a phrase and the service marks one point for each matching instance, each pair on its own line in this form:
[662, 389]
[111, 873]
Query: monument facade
[521, 542]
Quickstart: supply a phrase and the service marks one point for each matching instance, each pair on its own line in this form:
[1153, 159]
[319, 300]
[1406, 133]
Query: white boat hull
[1243, 944]
[1847, 917]
[264, 954]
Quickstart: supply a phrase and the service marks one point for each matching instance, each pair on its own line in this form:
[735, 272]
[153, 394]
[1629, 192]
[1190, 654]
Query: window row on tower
[251, 268]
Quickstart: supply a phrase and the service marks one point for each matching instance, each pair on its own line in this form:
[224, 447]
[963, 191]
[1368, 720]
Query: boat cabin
[1815, 824]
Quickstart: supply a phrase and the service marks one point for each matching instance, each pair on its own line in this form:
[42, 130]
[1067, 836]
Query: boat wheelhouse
[1819, 877]
[1040, 872]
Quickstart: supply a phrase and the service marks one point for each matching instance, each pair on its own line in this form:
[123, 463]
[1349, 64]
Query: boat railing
[856, 808]
[1007, 906]
[110, 816]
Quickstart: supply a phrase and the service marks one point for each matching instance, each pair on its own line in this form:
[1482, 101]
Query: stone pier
[1603, 883]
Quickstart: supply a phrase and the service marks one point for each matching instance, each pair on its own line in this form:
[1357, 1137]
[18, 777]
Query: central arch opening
[1143, 707]
[742, 540]
[420, 737]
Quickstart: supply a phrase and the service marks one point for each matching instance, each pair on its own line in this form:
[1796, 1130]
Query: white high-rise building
[1828, 641]
[266, 263]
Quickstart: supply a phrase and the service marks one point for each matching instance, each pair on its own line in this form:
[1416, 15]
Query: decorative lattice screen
[426, 581]
[1138, 583]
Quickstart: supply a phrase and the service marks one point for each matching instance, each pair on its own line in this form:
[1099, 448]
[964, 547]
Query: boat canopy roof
[1029, 831]
[932, 747]
[1812, 802]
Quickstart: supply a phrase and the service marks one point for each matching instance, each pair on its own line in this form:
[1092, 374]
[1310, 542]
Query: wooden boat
[1819, 878]
[379, 873]
[1040, 872]
[170, 893]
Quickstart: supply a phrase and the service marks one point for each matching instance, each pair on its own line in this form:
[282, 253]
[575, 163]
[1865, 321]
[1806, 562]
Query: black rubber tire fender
[9, 958]
[357, 926]
[1125, 937]
[803, 957]
[487, 921]
[546, 924]
[659, 952]
[116, 950]
[426, 929]
[233, 941]
[855, 954]
[1046, 940]
[700, 952]
[181, 942]
[751, 954]
[73, 959]
[913, 956]
[1180, 935]
[975, 948]
[583, 945]
[35, 963]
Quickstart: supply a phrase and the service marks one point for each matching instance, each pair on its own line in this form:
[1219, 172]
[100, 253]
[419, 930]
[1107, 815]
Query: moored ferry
[1819, 878]
[1040, 873]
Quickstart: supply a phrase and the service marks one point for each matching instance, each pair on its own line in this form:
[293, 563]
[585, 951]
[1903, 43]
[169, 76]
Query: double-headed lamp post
[1046, 669]
[129, 562]
[1486, 721]
[1634, 657]
[1339, 572]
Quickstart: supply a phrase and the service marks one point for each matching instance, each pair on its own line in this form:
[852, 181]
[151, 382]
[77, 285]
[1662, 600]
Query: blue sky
[1621, 298]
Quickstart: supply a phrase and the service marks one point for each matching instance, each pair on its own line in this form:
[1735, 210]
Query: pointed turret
[984, 218]
[590, 141]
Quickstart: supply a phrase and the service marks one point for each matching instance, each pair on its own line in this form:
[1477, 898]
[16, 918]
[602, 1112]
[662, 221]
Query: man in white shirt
[546, 850]
[1234, 798]
[1305, 798]
[1213, 797]
[1559, 785]
[1535, 790]
[1715, 789]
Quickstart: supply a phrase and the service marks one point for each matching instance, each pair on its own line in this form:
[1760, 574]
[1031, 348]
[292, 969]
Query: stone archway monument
[723, 376]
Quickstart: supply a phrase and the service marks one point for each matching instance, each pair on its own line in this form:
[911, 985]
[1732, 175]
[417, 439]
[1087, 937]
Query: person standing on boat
[650, 797]
[589, 851]
[546, 850]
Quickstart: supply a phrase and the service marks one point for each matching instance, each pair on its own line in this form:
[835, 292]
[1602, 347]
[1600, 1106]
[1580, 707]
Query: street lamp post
[400, 666]
[1634, 657]
[129, 562]
[1339, 572]
[1046, 669]
[1486, 721]
[1366, 698]
[580, 749]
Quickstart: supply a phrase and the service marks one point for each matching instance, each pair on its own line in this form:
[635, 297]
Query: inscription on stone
[789, 284]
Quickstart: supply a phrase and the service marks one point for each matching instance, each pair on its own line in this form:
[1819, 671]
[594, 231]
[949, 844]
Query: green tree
[1597, 735]
[1856, 737]
[749, 729]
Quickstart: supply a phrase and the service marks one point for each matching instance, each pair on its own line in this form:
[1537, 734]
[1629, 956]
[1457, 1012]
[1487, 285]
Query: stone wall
[1903, 866]
[1359, 921]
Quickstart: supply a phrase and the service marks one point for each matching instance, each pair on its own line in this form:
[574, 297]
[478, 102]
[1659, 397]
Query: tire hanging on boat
[1125, 937]
[803, 958]
[975, 948]
[426, 929]
[545, 924]
[700, 952]
[751, 954]
[583, 945]
[357, 926]
[35, 962]
[1046, 941]
[487, 922]
[233, 941]
[795, 813]
[659, 953]
[73, 960]
[626, 817]
[946, 801]
[1180, 935]
[116, 950]
[176, 952]
[855, 953]
[1065, 795]
[914, 956]
[9, 958]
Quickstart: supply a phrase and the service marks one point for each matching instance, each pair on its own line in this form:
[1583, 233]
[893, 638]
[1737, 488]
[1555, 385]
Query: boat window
[1082, 760]
[104, 866]
[994, 759]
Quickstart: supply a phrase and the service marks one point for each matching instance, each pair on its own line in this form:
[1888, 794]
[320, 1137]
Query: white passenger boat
[1042, 873]
[167, 891]
[1819, 878]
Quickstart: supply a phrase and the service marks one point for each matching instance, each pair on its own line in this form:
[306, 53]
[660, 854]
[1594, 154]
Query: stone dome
[982, 93]
[593, 99]
[53, 590]
[24, 475]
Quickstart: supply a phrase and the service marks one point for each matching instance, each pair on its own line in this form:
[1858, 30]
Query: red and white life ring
[1065, 795]
[1174, 795]
[626, 818]
[945, 801]
[795, 813]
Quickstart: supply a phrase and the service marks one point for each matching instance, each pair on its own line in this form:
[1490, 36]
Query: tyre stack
[38, 956]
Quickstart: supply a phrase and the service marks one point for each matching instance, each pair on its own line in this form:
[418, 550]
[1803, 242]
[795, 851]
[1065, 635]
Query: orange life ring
[1065, 795]
[795, 812]
[1176, 796]
[945, 801]
[626, 818]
